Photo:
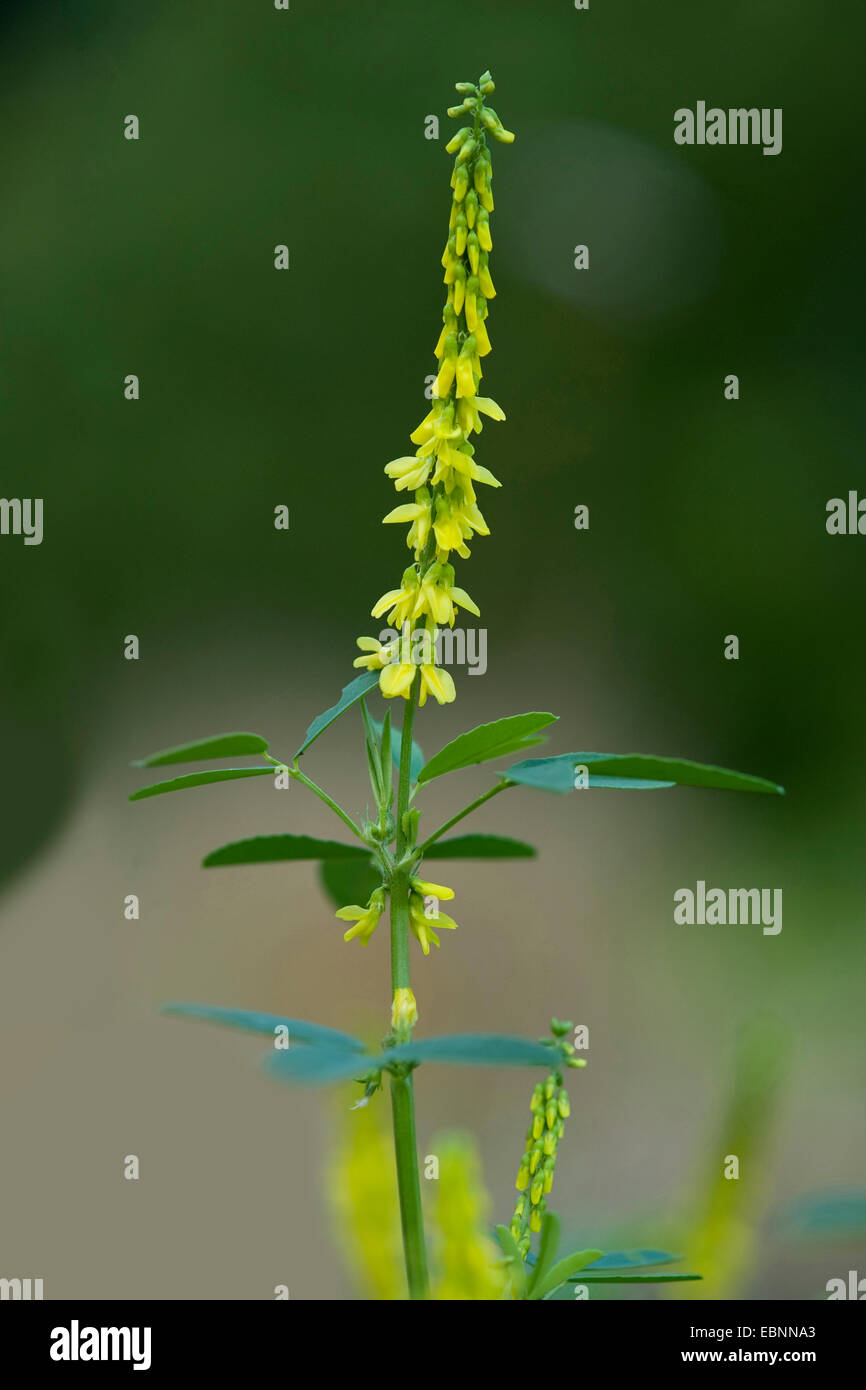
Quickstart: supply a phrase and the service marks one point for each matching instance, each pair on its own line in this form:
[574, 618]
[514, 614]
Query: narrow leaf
[563, 1271]
[632, 771]
[200, 779]
[352, 692]
[416, 760]
[268, 849]
[476, 1049]
[316, 1066]
[633, 1259]
[485, 742]
[480, 847]
[248, 1021]
[220, 746]
[586, 1278]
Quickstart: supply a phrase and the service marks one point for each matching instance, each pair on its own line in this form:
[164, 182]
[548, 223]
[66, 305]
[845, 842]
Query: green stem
[409, 1185]
[402, 1096]
[467, 810]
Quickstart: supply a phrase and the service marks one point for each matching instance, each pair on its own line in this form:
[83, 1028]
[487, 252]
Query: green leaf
[476, 1049]
[351, 692]
[471, 1049]
[487, 741]
[586, 1278]
[562, 1272]
[551, 1230]
[201, 779]
[631, 771]
[269, 849]
[416, 761]
[220, 746]
[513, 1259]
[316, 1066]
[348, 881]
[633, 1259]
[248, 1021]
[480, 847]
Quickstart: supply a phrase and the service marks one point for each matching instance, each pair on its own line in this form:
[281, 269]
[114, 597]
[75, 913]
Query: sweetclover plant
[378, 868]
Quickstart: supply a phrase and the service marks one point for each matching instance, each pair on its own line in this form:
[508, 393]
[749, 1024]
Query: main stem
[402, 1095]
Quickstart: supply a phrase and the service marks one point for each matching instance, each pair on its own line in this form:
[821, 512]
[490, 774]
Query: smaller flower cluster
[550, 1108]
[423, 918]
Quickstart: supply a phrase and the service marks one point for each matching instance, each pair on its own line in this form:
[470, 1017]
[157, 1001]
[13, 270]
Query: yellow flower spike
[467, 1264]
[442, 473]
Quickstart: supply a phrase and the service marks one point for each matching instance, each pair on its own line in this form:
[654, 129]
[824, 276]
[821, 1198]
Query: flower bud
[461, 182]
[404, 1011]
[457, 140]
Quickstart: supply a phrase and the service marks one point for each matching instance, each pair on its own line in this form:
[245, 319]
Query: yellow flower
[423, 927]
[377, 655]
[468, 1264]
[431, 890]
[408, 473]
[397, 679]
[439, 683]
[366, 919]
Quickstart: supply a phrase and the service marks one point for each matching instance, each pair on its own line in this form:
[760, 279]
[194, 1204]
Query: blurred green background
[260, 387]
